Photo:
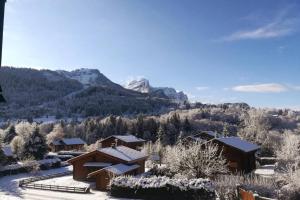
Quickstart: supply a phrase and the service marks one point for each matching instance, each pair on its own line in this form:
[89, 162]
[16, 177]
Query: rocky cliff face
[143, 86]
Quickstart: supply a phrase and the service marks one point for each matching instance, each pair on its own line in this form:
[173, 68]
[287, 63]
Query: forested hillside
[34, 93]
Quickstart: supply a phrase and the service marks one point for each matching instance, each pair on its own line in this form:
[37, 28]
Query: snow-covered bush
[226, 186]
[195, 160]
[290, 182]
[162, 188]
[288, 154]
[30, 165]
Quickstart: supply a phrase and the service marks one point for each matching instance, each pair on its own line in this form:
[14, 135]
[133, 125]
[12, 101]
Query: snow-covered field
[9, 189]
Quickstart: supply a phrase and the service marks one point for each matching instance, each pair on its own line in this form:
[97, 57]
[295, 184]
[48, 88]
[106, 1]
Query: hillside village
[132, 156]
[72, 133]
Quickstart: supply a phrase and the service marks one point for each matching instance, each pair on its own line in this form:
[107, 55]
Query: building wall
[80, 172]
[56, 148]
[103, 179]
[238, 160]
[110, 141]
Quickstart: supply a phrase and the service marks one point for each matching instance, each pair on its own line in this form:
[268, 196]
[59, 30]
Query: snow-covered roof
[195, 138]
[123, 153]
[238, 143]
[7, 151]
[128, 138]
[120, 169]
[57, 142]
[97, 164]
[71, 141]
[68, 141]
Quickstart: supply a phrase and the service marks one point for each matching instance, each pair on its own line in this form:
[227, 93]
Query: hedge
[25, 168]
[162, 188]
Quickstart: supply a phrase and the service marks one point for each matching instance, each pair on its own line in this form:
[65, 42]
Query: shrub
[226, 186]
[162, 188]
[196, 160]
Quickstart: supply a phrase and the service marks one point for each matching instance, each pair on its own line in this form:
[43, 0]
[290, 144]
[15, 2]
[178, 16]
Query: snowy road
[9, 189]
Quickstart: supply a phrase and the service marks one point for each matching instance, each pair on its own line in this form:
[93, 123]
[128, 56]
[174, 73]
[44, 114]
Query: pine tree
[186, 126]
[9, 134]
[140, 126]
[162, 134]
[35, 145]
[2, 156]
[225, 130]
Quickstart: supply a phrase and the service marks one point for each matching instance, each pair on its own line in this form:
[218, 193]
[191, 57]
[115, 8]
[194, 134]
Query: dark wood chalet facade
[123, 140]
[103, 164]
[239, 153]
[67, 144]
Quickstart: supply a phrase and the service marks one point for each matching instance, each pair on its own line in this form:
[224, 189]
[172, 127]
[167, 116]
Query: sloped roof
[238, 143]
[71, 141]
[68, 141]
[96, 164]
[195, 138]
[7, 151]
[128, 138]
[118, 169]
[123, 153]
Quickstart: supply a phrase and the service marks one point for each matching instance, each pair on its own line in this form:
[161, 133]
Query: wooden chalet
[130, 141]
[103, 164]
[201, 137]
[67, 144]
[239, 153]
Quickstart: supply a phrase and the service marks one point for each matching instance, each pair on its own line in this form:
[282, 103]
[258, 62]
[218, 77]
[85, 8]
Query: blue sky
[215, 51]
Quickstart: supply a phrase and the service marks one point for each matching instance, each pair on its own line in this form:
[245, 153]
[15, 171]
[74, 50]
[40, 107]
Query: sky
[215, 51]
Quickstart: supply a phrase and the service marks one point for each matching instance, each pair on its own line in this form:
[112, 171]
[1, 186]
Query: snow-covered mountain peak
[83, 75]
[142, 85]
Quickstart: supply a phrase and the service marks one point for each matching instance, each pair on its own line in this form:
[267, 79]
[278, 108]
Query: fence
[29, 183]
[57, 188]
[39, 178]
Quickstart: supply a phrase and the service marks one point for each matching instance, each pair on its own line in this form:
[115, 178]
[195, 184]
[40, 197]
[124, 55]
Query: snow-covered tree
[56, 133]
[17, 145]
[196, 160]
[289, 153]
[29, 143]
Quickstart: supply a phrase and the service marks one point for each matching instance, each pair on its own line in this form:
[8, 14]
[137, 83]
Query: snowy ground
[9, 189]
[267, 171]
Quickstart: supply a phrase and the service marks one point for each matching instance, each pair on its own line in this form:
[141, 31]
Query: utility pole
[2, 8]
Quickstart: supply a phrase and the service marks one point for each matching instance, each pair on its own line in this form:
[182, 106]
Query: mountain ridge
[143, 85]
[32, 93]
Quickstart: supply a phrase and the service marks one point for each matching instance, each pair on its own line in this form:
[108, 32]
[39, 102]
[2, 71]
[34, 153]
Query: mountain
[32, 93]
[142, 85]
[88, 77]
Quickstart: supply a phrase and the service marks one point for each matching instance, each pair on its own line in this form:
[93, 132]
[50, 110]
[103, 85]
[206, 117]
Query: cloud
[202, 88]
[261, 88]
[281, 25]
[295, 87]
